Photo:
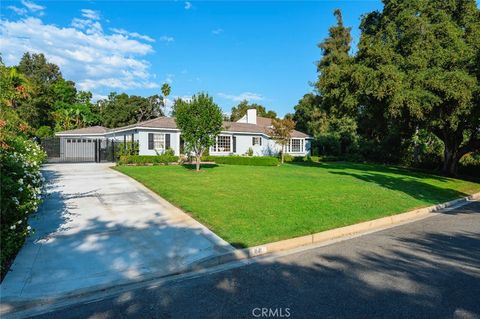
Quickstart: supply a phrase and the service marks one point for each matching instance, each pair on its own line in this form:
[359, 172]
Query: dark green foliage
[121, 109]
[470, 165]
[243, 160]
[164, 159]
[417, 67]
[241, 109]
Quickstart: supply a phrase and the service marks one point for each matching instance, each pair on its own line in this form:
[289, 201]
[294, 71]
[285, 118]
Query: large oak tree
[419, 63]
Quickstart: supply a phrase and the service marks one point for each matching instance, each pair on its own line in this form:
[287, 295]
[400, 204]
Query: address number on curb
[258, 251]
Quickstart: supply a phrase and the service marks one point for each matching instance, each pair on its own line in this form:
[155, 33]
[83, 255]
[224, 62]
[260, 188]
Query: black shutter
[150, 141]
[253, 140]
[167, 141]
[260, 138]
[234, 144]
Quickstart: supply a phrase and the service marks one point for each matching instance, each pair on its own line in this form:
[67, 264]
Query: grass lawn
[251, 205]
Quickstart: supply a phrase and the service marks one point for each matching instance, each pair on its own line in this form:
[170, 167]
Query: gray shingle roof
[87, 130]
[263, 126]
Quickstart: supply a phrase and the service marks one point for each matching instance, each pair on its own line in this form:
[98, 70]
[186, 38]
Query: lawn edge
[221, 262]
[333, 235]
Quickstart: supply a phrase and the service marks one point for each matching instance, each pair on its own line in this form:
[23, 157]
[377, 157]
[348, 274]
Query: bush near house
[164, 159]
[21, 184]
[243, 160]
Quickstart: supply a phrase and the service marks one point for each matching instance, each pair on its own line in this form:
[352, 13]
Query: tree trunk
[198, 163]
[450, 160]
[283, 152]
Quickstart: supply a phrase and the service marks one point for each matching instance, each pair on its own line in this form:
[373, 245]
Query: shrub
[288, 158]
[250, 151]
[44, 131]
[125, 149]
[147, 159]
[169, 151]
[470, 165]
[20, 191]
[243, 160]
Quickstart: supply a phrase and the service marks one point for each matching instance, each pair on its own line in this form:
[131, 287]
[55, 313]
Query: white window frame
[161, 141]
[301, 146]
[215, 147]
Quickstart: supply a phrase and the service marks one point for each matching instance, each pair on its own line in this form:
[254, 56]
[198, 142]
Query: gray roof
[263, 126]
[86, 130]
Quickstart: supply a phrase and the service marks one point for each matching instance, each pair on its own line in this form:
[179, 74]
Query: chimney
[252, 116]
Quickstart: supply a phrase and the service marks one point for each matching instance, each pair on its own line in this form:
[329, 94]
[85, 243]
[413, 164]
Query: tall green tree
[327, 114]
[335, 69]
[418, 64]
[122, 109]
[200, 121]
[241, 109]
[42, 75]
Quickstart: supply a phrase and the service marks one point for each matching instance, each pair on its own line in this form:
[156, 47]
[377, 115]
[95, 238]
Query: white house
[156, 135]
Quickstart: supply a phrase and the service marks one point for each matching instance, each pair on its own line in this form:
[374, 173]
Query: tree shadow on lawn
[419, 190]
[411, 274]
[367, 167]
[192, 167]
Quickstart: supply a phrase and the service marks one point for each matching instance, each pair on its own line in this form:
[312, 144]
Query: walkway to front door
[98, 227]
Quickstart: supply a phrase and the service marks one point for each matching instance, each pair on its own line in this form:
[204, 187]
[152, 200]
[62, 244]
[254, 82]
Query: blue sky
[263, 51]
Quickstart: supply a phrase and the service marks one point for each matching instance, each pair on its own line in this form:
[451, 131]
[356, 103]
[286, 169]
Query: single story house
[156, 135]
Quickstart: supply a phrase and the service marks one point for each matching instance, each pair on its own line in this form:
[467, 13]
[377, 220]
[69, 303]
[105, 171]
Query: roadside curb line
[243, 256]
[331, 235]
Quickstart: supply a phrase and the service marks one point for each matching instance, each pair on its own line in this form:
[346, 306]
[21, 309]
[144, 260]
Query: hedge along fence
[20, 193]
[243, 160]
[163, 159]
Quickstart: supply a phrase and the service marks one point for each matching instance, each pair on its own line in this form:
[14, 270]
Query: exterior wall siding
[143, 141]
[243, 142]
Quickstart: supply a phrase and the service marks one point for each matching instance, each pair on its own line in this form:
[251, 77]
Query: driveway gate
[79, 149]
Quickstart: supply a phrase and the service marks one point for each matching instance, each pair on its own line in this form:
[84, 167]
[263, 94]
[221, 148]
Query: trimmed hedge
[243, 160]
[147, 159]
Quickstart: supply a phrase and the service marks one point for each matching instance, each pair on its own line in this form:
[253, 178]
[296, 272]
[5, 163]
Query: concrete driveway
[99, 228]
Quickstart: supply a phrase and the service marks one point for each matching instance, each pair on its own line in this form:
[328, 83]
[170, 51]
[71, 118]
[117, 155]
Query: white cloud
[132, 34]
[188, 5]
[166, 38]
[90, 14]
[93, 59]
[32, 6]
[217, 31]
[17, 10]
[169, 78]
[249, 96]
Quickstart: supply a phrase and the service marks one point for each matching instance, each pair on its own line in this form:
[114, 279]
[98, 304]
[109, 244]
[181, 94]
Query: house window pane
[159, 141]
[223, 144]
[256, 140]
[296, 145]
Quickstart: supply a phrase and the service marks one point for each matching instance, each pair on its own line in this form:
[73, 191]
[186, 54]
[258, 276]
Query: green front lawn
[251, 205]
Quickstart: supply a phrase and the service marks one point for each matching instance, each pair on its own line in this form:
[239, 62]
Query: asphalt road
[426, 269]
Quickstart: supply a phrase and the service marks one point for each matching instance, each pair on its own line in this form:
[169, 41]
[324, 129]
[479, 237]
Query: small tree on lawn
[282, 132]
[200, 121]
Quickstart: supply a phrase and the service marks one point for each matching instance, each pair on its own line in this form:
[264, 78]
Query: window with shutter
[167, 141]
[150, 141]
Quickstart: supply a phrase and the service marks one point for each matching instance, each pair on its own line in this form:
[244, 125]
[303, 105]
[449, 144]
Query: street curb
[329, 235]
[41, 306]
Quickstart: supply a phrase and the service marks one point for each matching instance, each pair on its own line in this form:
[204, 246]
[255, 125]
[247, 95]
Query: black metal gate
[79, 149]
